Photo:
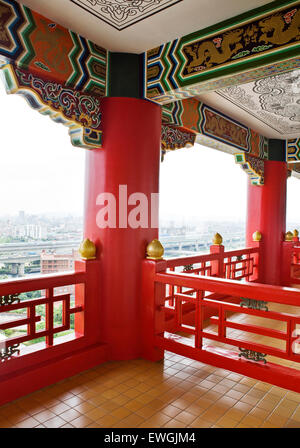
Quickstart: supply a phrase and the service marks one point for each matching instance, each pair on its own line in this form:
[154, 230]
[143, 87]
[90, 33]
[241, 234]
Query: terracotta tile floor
[174, 393]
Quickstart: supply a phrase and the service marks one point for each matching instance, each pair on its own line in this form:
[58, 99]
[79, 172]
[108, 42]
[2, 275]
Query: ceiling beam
[35, 43]
[253, 45]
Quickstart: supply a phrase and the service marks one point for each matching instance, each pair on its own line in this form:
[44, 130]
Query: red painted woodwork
[217, 266]
[267, 214]
[286, 259]
[43, 363]
[273, 220]
[290, 272]
[295, 265]
[237, 264]
[44, 373]
[199, 291]
[254, 206]
[152, 304]
[278, 375]
[130, 156]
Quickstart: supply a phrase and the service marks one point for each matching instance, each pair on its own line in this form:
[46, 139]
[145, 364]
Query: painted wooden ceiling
[270, 105]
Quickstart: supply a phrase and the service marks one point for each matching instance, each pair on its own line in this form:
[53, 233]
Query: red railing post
[88, 322]
[286, 264]
[152, 308]
[217, 266]
[257, 262]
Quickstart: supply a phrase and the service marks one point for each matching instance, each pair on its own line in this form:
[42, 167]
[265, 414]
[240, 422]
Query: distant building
[34, 231]
[53, 262]
[21, 217]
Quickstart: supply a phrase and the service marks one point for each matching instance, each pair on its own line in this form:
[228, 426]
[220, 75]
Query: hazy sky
[42, 172]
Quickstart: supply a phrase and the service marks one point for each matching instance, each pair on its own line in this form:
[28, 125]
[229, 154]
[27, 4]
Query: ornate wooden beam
[174, 137]
[35, 43]
[253, 166]
[79, 111]
[253, 45]
[293, 150]
[214, 128]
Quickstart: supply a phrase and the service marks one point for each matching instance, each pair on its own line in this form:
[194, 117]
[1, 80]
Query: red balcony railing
[251, 328]
[11, 303]
[237, 264]
[242, 265]
[290, 263]
[59, 351]
[295, 265]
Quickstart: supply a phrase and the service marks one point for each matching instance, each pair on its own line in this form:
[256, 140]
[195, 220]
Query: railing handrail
[250, 290]
[244, 251]
[20, 285]
[173, 262]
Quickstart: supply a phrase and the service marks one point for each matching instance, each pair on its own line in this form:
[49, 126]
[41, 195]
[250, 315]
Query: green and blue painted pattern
[33, 42]
[247, 47]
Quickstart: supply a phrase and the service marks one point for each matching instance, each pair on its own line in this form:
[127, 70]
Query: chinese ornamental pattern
[253, 166]
[74, 105]
[293, 150]
[123, 13]
[220, 129]
[173, 137]
[197, 63]
[35, 43]
[79, 111]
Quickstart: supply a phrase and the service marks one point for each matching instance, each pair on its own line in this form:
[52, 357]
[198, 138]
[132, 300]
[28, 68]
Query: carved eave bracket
[80, 112]
[253, 166]
[174, 137]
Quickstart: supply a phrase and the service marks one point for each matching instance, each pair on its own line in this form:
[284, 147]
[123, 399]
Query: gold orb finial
[217, 239]
[155, 250]
[87, 250]
[288, 236]
[257, 236]
[295, 233]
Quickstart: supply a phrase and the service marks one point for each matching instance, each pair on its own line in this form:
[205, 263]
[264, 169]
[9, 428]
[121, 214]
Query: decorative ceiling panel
[175, 19]
[275, 101]
[123, 13]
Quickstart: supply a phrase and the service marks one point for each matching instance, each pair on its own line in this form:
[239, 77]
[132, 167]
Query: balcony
[225, 347]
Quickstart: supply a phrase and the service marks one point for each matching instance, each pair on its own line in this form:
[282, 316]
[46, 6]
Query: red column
[130, 156]
[273, 219]
[254, 206]
[267, 213]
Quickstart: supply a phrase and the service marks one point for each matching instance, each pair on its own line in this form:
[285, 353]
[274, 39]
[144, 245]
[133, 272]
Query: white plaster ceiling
[170, 19]
[270, 106]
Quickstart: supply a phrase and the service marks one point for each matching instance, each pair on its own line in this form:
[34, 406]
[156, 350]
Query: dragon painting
[275, 30]
[206, 54]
